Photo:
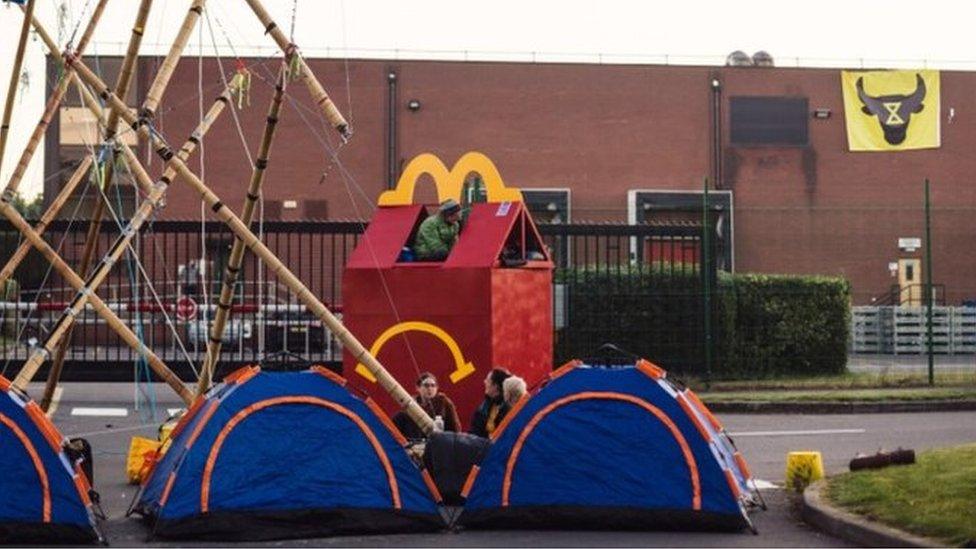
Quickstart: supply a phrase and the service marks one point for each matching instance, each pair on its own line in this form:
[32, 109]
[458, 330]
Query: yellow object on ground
[803, 468]
[143, 453]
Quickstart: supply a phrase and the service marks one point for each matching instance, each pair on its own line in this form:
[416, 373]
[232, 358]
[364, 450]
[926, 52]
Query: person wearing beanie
[439, 232]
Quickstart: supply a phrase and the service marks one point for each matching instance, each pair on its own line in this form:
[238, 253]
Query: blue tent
[610, 448]
[279, 455]
[44, 495]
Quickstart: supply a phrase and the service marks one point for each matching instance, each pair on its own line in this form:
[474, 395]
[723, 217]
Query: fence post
[928, 285]
[706, 262]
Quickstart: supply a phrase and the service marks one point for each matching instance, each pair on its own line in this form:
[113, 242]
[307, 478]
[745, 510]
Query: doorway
[910, 282]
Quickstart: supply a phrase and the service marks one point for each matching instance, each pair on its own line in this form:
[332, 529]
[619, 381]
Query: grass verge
[843, 395]
[933, 498]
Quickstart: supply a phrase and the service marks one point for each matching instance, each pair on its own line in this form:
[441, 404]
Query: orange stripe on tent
[4, 384]
[323, 371]
[82, 484]
[733, 485]
[650, 369]
[386, 421]
[469, 482]
[261, 405]
[565, 368]
[242, 375]
[690, 412]
[741, 462]
[508, 417]
[166, 489]
[431, 485]
[45, 426]
[38, 466]
[202, 423]
[716, 424]
[191, 412]
[605, 395]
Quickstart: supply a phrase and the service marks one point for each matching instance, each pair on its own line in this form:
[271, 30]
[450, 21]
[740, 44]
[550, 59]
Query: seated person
[512, 390]
[435, 404]
[439, 232]
[493, 409]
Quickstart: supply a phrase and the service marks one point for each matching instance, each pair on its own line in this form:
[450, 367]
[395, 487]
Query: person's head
[427, 385]
[512, 389]
[494, 380]
[450, 210]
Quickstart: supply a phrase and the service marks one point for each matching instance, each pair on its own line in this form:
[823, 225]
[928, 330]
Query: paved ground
[763, 439]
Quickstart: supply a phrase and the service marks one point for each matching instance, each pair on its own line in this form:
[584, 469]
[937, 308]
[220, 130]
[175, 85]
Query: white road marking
[766, 485]
[100, 412]
[55, 400]
[798, 433]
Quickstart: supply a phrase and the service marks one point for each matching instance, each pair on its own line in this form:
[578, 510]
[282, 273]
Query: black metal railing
[637, 286]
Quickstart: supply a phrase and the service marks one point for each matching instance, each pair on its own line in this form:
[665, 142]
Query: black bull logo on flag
[894, 112]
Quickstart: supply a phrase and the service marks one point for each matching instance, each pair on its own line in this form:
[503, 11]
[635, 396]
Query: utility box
[488, 304]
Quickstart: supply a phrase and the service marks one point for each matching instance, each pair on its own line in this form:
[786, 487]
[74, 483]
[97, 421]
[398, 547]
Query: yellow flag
[891, 110]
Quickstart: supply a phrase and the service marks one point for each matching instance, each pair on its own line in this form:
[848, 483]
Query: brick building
[596, 143]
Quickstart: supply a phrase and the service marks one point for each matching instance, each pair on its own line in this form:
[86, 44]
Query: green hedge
[763, 325]
[779, 325]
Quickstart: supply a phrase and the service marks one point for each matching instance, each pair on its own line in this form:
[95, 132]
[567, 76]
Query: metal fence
[599, 269]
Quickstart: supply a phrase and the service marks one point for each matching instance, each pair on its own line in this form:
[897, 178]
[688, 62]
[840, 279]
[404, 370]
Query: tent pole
[290, 50]
[8, 108]
[242, 231]
[237, 252]
[94, 226]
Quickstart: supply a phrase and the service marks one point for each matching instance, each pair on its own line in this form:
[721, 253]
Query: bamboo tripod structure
[8, 108]
[94, 227]
[226, 298]
[175, 163]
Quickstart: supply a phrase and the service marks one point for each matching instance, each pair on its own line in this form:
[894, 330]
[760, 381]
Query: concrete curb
[817, 512]
[861, 407]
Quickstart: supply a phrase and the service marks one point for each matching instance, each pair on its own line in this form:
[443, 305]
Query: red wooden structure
[488, 304]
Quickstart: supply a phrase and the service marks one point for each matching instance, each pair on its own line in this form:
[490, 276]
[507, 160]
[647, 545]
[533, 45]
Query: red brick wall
[602, 130]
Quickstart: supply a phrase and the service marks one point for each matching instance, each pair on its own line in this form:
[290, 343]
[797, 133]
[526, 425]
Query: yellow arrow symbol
[462, 368]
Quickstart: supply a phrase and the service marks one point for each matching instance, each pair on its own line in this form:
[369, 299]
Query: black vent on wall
[769, 121]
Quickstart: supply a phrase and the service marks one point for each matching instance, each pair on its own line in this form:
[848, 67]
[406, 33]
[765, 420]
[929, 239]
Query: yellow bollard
[803, 468]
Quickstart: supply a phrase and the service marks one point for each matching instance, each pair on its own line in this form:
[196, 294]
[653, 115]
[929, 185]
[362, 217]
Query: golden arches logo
[462, 368]
[450, 183]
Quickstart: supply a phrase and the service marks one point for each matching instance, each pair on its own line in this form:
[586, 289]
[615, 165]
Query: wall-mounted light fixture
[413, 105]
[821, 113]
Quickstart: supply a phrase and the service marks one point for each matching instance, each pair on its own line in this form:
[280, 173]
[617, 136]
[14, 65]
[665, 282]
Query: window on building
[769, 121]
[547, 205]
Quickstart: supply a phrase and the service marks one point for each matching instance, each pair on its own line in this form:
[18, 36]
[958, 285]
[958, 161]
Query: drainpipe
[391, 129]
[716, 87]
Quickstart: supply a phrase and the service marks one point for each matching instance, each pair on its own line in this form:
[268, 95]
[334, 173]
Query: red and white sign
[186, 308]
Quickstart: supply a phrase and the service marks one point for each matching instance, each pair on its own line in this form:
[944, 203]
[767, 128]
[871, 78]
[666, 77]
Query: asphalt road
[763, 439]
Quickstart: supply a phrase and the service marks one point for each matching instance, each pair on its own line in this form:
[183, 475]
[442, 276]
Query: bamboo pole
[237, 252]
[8, 109]
[21, 252]
[122, 84]
[52, 105]
[319, 94]
[242, 231]
[168, 66]
[72, 278]
[139, 218]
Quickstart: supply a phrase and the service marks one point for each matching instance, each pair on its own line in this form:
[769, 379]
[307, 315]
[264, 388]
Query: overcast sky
[935, 34]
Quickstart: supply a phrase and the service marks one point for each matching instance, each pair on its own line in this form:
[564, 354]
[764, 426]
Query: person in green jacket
[439, 232]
